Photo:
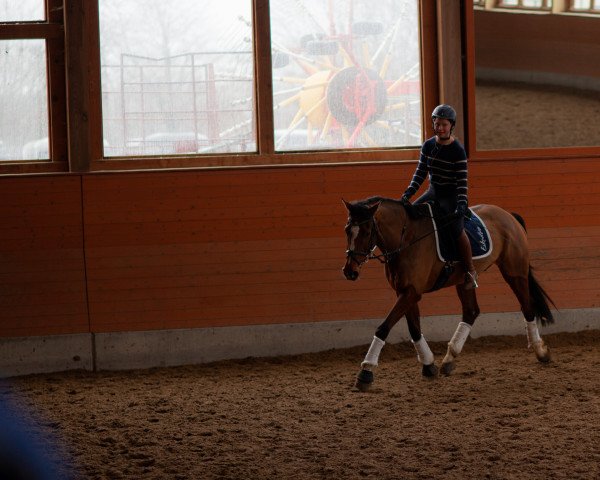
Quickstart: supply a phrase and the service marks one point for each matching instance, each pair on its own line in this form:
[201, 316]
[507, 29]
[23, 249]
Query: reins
[384, 257]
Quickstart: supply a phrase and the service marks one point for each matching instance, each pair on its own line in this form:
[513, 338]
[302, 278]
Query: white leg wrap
[459, 338]
[533, 334]
[372, 357]
[424, 353]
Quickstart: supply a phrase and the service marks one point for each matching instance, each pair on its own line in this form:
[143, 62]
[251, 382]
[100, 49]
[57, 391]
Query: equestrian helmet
[444, 111]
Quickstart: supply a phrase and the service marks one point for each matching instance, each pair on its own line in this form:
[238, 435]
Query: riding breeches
[447, 204]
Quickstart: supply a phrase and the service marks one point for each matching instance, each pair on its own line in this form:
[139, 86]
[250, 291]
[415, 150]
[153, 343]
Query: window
[526, 4]
[346, 74]
[32, 62]
[183, 83]
[177, 77]
[590, 6]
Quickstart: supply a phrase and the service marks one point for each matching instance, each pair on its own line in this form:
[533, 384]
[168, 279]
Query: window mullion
[263, 79]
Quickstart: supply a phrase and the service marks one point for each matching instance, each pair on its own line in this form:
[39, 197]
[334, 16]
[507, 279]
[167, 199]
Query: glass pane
[346, 74]
[23, 100]
[22, 11]
[533, 88]
[177, 77]
[580, 4]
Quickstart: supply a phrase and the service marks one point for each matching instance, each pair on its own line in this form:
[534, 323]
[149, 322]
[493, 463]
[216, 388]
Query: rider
[445, 160]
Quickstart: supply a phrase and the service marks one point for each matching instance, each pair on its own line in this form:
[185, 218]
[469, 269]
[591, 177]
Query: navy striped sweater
[447, 169]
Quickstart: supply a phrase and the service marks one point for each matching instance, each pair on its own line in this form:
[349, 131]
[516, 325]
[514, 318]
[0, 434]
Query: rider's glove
[405, 200]
[461, 210]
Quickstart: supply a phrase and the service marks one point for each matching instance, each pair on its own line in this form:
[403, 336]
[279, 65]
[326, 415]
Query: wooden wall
[42, 266]
[156, 250]
[551, 43]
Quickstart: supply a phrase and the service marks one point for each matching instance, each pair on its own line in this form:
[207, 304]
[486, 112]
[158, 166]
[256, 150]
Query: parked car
[36, 150]
[172, 143]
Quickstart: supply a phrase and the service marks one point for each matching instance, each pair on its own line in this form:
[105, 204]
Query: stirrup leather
[471, 280]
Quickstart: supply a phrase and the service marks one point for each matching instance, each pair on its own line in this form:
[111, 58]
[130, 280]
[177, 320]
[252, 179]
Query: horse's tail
[538, 297]
[539, 300]
[519, 219]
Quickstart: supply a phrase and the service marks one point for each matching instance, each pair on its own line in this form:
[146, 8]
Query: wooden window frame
[545, 7]
[51, 31]
[72, 35]
[515, 153]
[90, 146]
[591, 10]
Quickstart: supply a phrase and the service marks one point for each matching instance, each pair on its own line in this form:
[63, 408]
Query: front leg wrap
[424, 353]
[372, 358]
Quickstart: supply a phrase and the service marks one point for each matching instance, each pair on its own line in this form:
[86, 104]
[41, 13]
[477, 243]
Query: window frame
[590, 10]
[266, 156]
[72, 35]
[51, 31]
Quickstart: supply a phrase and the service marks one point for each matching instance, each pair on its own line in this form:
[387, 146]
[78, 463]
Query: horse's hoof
[364, 380]
[430, 371]
[447, 368]
[545, 356]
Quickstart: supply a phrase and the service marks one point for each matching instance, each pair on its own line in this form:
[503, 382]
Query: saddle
[477, 232]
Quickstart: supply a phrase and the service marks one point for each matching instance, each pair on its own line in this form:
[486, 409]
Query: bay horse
[412, 268]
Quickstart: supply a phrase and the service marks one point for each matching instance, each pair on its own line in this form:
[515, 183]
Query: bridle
[383, 257]
[353, 254]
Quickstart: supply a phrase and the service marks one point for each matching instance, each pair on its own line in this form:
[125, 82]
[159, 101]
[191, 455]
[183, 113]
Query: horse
[412, 268]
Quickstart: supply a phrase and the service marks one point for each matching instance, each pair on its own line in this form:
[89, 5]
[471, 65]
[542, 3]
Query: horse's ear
[373, 207]
[347, 204]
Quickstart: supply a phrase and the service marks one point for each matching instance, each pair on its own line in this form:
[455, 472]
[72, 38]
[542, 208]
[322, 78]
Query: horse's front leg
[424, 353]
[404, 302]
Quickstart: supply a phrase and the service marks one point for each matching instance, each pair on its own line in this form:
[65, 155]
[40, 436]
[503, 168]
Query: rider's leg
[464, 249]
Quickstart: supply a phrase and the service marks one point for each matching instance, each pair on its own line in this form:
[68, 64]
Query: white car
[173, 143]
[36, 150]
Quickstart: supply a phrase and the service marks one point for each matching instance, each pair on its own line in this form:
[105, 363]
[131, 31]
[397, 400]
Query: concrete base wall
[159, 348]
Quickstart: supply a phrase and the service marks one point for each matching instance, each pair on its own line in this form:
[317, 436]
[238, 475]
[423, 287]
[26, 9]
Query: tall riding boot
[464, 249]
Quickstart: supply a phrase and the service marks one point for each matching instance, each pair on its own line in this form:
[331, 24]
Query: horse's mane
[369, 202]
[360, 207]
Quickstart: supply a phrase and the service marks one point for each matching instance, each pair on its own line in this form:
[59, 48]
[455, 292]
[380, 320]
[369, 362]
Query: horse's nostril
[350, 274]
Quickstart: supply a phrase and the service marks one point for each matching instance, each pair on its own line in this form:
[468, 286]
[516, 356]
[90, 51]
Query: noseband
[384, 257]
[353, 254]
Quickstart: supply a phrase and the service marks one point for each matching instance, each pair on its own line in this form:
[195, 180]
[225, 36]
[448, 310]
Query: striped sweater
[447, 169]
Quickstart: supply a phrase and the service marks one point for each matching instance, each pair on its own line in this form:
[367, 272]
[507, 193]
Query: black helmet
[444, 111]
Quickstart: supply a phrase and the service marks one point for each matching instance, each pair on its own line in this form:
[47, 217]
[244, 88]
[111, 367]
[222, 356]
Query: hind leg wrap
[535, 342]
[372, 357]
[533, 334]
[424, 353]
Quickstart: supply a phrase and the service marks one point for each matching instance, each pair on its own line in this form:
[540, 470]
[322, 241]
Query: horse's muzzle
[349, 272]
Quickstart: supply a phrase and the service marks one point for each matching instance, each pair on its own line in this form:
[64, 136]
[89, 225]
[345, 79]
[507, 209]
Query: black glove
[461, 210]
[405, 200]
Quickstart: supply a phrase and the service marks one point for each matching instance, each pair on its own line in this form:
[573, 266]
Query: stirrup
[471, 280]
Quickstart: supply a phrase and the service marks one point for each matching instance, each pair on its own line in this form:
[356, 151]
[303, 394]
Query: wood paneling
[201, 249]
[42, 274]
[257, 246]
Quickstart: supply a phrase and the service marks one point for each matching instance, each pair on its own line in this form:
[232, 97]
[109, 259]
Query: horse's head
[361, 236]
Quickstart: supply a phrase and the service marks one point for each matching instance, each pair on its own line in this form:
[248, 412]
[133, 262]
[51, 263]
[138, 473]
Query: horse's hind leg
[520, 287]
[470, 311]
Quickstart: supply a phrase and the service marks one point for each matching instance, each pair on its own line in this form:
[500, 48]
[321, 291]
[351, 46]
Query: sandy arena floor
[501, 415]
